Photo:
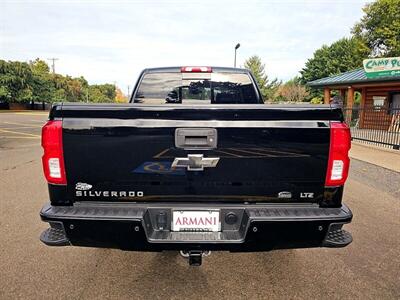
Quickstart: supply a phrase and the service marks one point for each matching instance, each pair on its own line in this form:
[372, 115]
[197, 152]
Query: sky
[112, 41]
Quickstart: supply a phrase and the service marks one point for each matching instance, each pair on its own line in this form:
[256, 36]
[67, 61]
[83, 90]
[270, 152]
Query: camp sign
[379, 67]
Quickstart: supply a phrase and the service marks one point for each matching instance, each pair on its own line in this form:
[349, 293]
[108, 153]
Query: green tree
[268, 88]
[102, 93]
[26, 82]
[59, 95]
[39, 66]
[15, 81]
[5, 80]
[343, 55]
[84, 94]
[379, 28]
[42, 84]
[69, 89]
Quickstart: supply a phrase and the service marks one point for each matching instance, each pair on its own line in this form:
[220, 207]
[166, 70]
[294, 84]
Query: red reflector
[196, 69]
[53, 158]
[339, 162]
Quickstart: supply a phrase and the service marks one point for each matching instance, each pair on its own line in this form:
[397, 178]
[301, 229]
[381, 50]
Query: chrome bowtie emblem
[195, 162]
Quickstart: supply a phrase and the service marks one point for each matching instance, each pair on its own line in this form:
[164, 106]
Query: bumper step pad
[54, 237]
[337, 238]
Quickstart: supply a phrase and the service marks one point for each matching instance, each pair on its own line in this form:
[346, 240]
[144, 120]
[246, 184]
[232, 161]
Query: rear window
[196, 88]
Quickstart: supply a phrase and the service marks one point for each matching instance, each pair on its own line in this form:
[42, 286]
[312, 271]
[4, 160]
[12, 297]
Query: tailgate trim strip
[77, 123]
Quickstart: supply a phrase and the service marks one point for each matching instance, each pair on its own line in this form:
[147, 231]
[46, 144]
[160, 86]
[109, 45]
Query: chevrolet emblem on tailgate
[195, 162]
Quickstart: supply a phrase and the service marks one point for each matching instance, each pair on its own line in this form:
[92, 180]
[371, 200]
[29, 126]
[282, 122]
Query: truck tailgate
[261, 153]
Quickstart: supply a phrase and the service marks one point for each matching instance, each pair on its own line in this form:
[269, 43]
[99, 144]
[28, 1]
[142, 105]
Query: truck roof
[178, 69]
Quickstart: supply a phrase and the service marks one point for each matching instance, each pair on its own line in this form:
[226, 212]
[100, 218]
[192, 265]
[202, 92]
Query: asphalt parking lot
[369, 268]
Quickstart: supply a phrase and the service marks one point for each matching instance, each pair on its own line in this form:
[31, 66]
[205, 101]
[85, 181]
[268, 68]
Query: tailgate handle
[196, 138]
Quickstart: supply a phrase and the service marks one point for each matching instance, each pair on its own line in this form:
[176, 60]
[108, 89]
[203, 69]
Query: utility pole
[129, 92]
[236, 47]
[53, 64]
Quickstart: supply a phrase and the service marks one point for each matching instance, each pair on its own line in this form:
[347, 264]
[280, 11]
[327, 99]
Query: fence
[376, 125]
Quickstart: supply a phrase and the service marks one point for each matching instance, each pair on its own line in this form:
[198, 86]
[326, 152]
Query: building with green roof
[379, 87]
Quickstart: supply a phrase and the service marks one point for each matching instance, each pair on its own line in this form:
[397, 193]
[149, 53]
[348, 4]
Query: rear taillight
[196, 69]
[53, 158]
[339, 162]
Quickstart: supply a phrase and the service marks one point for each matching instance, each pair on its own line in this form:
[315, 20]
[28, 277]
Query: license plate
[189, 220]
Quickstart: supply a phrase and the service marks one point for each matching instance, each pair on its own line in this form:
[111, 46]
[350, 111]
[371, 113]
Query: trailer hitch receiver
[195, 257]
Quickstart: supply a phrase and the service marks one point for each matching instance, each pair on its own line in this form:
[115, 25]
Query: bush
[316, 100]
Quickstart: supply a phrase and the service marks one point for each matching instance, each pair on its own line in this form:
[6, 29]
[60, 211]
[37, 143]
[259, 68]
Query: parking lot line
[22, 127]
[20, 137]
[32, 114]
[22, 124]
[16, 132]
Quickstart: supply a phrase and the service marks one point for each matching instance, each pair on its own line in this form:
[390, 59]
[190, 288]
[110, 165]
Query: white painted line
[22, 124]
[19, 137]
[32, 114]
[16, 132]
[22, 127]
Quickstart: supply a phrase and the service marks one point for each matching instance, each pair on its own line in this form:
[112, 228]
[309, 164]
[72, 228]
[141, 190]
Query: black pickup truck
[196, 162]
